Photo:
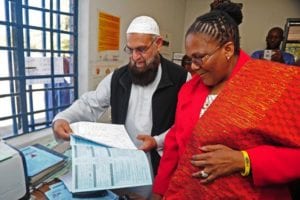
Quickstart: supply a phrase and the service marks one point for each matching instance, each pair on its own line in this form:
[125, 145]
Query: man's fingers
[148, 142]
[68, 129]
[62, 129]
[142, 147]
[141, 137]
[64, 133]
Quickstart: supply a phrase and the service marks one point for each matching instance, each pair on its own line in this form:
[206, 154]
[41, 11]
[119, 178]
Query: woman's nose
[195, 66]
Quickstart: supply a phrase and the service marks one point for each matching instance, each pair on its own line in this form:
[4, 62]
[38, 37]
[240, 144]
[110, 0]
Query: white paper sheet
[112, 135]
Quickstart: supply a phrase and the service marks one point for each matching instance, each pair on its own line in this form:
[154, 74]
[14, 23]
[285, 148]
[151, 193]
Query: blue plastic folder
[41, 161]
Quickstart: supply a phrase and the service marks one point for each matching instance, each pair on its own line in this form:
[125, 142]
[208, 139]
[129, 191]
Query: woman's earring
[228, 58]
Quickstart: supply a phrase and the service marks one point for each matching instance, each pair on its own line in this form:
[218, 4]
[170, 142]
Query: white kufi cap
[143, 24]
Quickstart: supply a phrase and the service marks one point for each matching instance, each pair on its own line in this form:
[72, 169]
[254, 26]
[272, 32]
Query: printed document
[111, 135]
[96, 167]
[58, 191]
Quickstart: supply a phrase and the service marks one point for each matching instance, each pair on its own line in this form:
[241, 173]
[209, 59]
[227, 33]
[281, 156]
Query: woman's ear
[229, 49]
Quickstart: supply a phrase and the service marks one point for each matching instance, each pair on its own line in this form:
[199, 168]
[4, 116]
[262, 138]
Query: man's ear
[159, 42]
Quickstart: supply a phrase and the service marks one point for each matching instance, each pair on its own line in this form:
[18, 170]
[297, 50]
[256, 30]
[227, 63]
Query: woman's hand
[216, 161]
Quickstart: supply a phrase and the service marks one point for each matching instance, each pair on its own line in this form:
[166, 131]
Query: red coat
[263, 157]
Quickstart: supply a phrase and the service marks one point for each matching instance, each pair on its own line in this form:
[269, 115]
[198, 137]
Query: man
[142, 94]
[273, 40]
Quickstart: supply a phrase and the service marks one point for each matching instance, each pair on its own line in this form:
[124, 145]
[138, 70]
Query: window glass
[66, 42]
[37, 63]
[5, 88]
[47, 20]
[35, 18]
[3, 36]
[4, 72]
[2, 10]
[34, 3]
[5, 126]
[65, 6]
[65, 23]
[36, 39]
[5, 102]
[31, 95]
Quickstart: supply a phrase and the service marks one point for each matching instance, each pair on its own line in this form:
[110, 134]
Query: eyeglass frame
[200, 60]
[139, 50]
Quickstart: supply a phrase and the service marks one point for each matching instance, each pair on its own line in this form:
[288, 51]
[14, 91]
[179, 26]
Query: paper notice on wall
[166, 49]
[100, 70]
[38, 66]
[106, 63]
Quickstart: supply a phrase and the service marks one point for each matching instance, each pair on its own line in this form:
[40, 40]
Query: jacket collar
[165, 80]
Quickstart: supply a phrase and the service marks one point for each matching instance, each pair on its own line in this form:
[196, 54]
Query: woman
[252, 109]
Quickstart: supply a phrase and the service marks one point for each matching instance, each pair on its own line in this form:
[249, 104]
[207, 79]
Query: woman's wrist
[247, 165]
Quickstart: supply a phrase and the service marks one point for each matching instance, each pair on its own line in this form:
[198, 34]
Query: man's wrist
[157, 141]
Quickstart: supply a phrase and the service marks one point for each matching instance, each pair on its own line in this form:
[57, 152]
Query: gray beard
[144, 78]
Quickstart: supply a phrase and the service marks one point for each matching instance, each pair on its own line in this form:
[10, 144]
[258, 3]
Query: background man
[273, 40]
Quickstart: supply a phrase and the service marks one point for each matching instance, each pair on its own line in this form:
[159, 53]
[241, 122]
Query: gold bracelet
[246, 171]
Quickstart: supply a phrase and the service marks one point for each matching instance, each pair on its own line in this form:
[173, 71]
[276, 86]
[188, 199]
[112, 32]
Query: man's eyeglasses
[139, 50]
[200, 60]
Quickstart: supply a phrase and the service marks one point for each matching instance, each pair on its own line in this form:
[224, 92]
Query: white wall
[259, 17]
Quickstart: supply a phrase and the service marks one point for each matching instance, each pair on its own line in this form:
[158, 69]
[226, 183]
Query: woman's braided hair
[231, 8]
[220, 25]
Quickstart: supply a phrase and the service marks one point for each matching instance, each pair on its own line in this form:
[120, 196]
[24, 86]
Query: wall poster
[108, 32]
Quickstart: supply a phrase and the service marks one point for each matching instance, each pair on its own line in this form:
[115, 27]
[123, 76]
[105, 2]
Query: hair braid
[219, 26]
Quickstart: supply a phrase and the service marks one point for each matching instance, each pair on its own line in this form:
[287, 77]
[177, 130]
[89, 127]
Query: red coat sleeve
[274, 165]
[168, 163]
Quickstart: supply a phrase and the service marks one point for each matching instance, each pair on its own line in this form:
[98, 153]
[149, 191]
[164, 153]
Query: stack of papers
[42, 162]
[104, 157]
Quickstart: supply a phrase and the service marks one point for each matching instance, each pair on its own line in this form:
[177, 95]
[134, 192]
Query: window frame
[22, 112]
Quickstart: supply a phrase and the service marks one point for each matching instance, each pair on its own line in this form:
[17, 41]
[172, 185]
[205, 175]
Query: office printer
[13, 181]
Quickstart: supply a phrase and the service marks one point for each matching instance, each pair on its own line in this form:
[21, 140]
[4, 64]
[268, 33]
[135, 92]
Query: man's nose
[273, 39]
[135, 55]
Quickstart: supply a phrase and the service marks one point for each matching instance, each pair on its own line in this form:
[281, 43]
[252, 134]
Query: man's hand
[277, 56]
[216, 161]
[62, 129]
[149, 142]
